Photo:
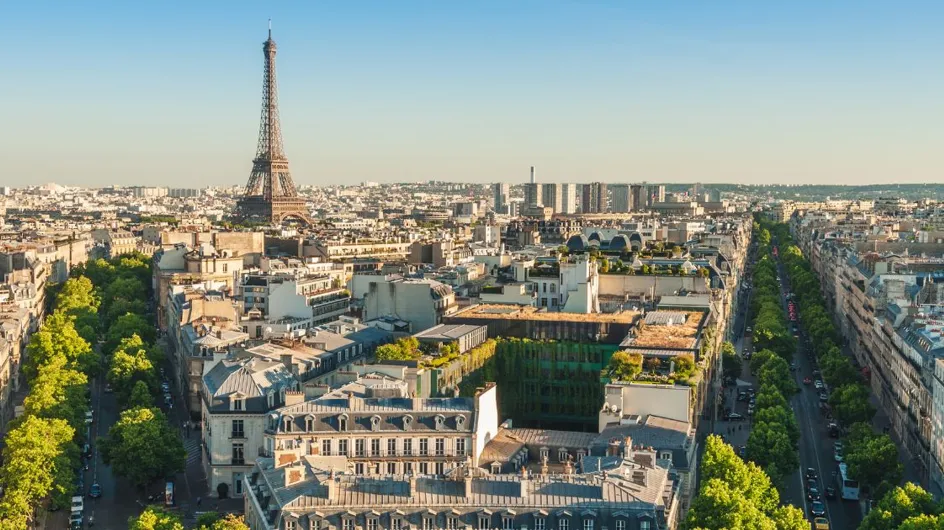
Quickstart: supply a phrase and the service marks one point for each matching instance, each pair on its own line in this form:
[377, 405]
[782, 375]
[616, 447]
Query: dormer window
[407, 422]
[270, 398]
[460, 421]
[665, 455]
[440, 422]
[562, 455]
[287, 423]
[375, 422]
[237, 403]
[342, 422]
[309, 424]
[496, 468]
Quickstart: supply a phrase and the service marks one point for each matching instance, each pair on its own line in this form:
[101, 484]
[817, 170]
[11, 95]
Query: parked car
[823, 396]
[88, 416]
[837, 446]
[838, 456]
[818, 384]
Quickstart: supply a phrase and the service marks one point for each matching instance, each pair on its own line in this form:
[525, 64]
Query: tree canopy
[143, 447]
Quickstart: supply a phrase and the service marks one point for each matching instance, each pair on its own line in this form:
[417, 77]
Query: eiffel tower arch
[270, 194]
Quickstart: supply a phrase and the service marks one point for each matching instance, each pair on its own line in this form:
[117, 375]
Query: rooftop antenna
[270, 29]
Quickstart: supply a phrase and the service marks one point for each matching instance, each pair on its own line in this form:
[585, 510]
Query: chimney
[313, 391]
[294, 474]
[524, 483]
[468, 486]
[293, 397]
[628, 447]
[219, 333]
[412, 479]
[332, 484]
[613, 449]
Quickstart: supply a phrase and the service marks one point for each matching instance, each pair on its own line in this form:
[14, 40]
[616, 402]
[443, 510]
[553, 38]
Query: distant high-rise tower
[620, 198]
[532, 192]
[551, 196]
[638, 198]
[501, 192]
[594, 198]
[270, 194]
[568, 198]
[656, 193]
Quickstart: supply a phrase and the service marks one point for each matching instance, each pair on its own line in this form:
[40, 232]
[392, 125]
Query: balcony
[237, 435]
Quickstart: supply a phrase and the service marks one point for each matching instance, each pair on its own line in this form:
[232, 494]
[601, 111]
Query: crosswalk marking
[192, 446]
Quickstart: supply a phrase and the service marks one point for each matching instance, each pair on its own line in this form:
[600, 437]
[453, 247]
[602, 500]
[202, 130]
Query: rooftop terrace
[510, 312]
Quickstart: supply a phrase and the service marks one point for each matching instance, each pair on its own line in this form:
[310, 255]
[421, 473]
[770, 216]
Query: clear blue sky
[614, 90]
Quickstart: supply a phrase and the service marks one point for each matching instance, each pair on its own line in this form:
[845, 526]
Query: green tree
[789, 517]
[77, 293]
[683, 366]
[898, 505]
[129, 368]
[625, 366]
[36, 463]
[720, 462]
[141, 396]
[850, 404]
[874, 461]
[718, 506]
[768, 396]
[838, 370]
[769, 445]
[923, 522]
[213, 521]
[58, 336]
[779, 415]
[156, 518]
[143, 447]
[776, 372]
[126, 326]
[390, 352]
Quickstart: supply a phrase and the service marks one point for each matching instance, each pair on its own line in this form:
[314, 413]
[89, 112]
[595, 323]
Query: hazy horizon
[724, 92]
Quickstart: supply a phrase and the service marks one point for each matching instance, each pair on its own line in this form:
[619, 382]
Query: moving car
[829, 492]
[807, 381]
[813, 495]
[734, 416]
[810, 474]
[95, 491]
[820, 523]
[88, 416]
[817, 509]
[108, 389]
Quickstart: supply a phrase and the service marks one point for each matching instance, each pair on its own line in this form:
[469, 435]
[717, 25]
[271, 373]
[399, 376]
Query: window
[371, 523]
[440, 468]
[424, 446]
[539, 523]
[424, 468]
[289, 525]
[348, 523]
[238, 457]
[621, 524]
[562, 455]
[666, 455]
[588, 524]
[360, 448]
[407, 468]
[237, 404]
[563, 524]
[314, 524]
[309, 424]
[396, 523]
[238, 427]
[484, 522]
[326, 447]
[440, 446]
[226, 269]
[508, 523]
[359, 468]
[391, 468]
[342, 422]
[428, 522]
[452, 522]
[342, 447]
[375, 447]
[392, 447]
[460, 447]
[288, 424]
[270, 398]
[645, 524]
[407, 447]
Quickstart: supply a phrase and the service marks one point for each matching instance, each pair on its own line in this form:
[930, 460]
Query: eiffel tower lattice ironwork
[270, 195]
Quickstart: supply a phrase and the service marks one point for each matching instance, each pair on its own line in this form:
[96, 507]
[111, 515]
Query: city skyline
[584, 92]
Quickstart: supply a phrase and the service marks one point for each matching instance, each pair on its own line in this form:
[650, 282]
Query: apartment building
[422, 303]
[284, 303]
[198, 267]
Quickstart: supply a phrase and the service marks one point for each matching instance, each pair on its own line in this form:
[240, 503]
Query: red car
[807, 381]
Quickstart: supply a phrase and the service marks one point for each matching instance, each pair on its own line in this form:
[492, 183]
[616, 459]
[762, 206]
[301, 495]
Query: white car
[837, 456]
[78, 504]
[819, 384]
[88, 416]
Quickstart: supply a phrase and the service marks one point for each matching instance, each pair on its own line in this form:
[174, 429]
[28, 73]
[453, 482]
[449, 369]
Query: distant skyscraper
[532, 192]
[656, 193]
[551, 196]
[638, 198]
[501, 192]
[568, 198]
[620, 198]
[594, 198]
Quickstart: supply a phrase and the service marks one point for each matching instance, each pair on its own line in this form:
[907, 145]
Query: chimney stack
[468, 486]
[524, 483]
[412, 479]
[332, 487]
[628, 447]
[294, 397]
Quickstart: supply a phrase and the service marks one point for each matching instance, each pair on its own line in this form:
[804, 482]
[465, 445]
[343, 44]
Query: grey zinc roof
[499, 491]
[247, 377]
[444, 332]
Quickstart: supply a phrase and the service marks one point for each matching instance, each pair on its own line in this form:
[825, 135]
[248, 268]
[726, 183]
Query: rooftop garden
[634, 367]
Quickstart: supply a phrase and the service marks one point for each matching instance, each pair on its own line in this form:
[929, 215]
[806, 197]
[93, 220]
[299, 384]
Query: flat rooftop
[512, 312]
[652, 334]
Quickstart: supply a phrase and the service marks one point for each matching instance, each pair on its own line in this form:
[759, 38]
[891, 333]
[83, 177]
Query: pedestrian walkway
[192, 446]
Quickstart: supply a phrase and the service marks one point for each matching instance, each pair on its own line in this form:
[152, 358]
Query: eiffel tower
[270, 195]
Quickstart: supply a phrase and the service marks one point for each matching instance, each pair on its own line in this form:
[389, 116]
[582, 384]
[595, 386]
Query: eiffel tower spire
[270, 193]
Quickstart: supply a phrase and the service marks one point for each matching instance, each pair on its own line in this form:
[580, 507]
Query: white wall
[486, 421]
